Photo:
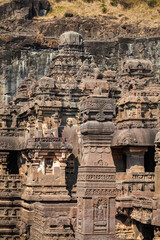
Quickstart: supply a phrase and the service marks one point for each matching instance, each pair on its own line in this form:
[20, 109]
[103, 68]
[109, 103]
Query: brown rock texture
[79, 128]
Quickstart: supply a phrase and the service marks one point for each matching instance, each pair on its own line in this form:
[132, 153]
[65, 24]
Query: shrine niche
[100, 219]
[80, 151]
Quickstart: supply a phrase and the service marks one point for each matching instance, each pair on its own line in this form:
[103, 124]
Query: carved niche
[100, 216]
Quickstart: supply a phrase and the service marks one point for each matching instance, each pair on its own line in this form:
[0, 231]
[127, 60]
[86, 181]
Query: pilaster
[96, 188]
[135, 159]
[3, 162]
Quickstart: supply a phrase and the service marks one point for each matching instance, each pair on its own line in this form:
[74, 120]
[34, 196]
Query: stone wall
[109, 55]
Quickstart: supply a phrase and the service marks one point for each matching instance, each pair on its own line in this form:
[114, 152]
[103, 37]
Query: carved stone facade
[80, 151]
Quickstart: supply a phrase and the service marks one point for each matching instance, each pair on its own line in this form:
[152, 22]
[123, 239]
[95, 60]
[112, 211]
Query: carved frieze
[96, 177]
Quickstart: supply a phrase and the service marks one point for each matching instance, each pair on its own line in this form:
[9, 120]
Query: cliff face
[24, 57]
[18, 65]
[25, 8]
[27, 43]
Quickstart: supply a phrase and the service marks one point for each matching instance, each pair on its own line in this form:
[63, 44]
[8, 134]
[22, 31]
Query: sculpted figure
[97, 74]
[44, 128]
[97, 91]
[69, 122]
[28, 130]
[14, 120]
[55, 120]
[55, 123]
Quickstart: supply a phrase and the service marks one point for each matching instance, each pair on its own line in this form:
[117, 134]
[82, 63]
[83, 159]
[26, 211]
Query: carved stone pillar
[14, 120]
[39, 124]
[135, 159]
[62, 160]
[4, 125]
[157, 167]
[156, 202]
[35, 165]
[96, 178]
[3, 162]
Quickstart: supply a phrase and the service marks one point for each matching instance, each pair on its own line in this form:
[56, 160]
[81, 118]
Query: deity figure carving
[69, 122]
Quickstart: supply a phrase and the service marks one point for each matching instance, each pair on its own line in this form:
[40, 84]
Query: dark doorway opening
[71, 172]
[119, 158]
[149, 163]
[12, 163]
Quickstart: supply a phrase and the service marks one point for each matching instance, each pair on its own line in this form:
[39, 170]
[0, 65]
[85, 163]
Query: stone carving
[70, 39]
[137, 66]
[5, 146]
[145, 215]
[96, 157]
[69, 122]
[126, 139]
[100, 214]
[77, 150]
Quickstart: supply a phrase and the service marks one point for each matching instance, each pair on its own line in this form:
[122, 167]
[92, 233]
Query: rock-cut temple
[80, 151]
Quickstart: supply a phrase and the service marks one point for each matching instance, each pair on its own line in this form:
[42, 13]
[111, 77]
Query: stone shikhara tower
[77, 151]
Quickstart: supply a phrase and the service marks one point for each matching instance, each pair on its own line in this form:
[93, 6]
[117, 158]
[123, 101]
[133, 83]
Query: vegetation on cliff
[96, 19]
[96, 7]
[132, 9]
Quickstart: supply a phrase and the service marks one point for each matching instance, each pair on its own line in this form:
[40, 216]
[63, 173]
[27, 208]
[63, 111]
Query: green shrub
[103, 6]
[104, 9]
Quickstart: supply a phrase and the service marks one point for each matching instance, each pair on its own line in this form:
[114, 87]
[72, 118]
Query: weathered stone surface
[23, 56]
[26, 9]
[77, 157]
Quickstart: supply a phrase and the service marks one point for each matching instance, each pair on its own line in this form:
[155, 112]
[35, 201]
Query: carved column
[156, 199]
[14, 120]
[62, 160]
[96, 178]
[35, 164]
[157, 167]
[3, 162]
[135, 159]
[39, 122]
[4, 125]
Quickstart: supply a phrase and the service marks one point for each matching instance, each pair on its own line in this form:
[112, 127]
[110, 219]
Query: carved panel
[80, 212]
[100, 214]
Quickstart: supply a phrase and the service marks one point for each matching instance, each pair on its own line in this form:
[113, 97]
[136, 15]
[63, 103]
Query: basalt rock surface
[79, 127]
[25, 9]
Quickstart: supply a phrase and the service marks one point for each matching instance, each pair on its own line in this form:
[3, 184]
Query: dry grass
[140, 12]
[78, 7]
[4, 1]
